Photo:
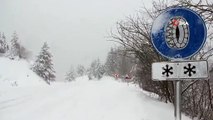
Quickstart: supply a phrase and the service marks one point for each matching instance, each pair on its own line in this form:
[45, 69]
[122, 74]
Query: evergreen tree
[71, 75]
[3, 44]
[111, 63]
[15, 49]
[81, 70]
[43, 65]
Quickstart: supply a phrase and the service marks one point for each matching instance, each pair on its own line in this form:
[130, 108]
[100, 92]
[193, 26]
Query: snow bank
[15, 73]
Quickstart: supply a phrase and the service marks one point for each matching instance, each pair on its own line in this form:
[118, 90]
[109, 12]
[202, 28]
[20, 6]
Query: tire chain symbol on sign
[189, 69]
[167, 70]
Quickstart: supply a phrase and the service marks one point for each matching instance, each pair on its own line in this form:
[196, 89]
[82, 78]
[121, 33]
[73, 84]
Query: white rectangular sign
[180, 70]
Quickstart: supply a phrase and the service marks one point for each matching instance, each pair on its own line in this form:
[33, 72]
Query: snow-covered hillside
[83, 99]
[15, 73]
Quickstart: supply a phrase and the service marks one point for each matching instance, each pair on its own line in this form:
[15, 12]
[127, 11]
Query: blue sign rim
[195, 43]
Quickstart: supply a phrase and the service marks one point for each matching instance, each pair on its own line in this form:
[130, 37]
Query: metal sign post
[174, 36]
[177, 105]
[178, 100]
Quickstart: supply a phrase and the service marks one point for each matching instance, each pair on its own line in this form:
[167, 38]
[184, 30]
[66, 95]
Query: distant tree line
[133, 34]
[118, 62]
[72, 73]
[95, 71]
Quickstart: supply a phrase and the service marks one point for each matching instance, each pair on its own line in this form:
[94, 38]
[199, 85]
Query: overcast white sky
[75, 30]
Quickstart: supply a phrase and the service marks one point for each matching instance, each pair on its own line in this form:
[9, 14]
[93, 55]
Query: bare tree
[96, 70]
[134, 34]
[119, 62]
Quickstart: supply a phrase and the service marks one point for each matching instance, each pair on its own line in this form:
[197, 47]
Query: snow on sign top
[178, 33]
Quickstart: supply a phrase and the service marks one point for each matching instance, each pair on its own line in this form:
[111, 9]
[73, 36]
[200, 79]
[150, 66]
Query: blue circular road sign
[178, 33]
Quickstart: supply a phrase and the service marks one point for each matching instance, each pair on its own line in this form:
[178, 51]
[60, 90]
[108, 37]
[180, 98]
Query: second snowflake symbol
[190, 69]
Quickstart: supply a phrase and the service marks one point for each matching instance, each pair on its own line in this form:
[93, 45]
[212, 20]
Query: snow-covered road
[82, 100]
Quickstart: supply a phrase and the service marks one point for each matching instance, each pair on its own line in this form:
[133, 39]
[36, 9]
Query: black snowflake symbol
[189, 69]
[167, 70]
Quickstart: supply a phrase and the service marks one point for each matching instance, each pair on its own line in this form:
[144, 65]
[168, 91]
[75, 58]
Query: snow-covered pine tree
[96, 70]
[43, 65]
[112, 62]
[15, 49]
[3, 44]
[100, 71]
[80, 70]
[70, 75]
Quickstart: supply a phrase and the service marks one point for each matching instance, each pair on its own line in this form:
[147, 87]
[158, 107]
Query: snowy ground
[83, 99]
